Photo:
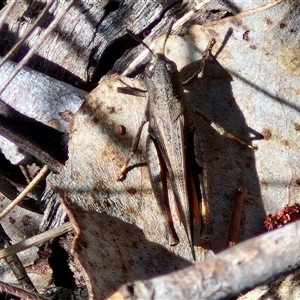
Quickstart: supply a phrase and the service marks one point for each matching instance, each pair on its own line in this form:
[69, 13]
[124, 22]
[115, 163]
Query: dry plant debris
[290, 213]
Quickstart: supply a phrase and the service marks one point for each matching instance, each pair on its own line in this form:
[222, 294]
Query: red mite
[289, 213]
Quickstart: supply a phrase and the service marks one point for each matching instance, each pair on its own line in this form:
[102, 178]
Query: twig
[236, 218]
[28, 188]
[243, 13]
[36, 240]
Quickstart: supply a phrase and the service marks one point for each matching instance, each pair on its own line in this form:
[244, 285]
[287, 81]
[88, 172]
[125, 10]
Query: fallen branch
[239, 269]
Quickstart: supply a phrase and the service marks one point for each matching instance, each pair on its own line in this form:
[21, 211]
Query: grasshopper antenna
[167, 36]
[145, 45]
[140, 41]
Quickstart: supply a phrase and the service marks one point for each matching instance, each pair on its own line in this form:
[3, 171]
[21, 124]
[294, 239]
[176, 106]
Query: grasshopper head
[160, 63]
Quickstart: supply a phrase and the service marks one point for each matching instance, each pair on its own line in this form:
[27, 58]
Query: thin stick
[27, 34]
[179, 23]
[236, 218]
[36, 240]
[6, 10]
[29, 54]
[28, 188]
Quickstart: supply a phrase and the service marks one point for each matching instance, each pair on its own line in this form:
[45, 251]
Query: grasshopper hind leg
[201, 222]
[158, 173]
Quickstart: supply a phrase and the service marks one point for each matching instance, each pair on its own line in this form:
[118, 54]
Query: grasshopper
[167, 142]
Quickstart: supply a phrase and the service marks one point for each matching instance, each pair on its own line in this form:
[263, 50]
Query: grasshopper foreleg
[132, 150]
[129, 90]
[199, 73]
[158, 173]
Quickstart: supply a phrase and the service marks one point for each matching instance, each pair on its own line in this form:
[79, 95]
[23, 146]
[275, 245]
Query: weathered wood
[37, 139]
[94, 32]
[52, 103]
[69, 52]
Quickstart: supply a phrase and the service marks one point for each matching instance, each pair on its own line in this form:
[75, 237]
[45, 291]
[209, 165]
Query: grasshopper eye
[149, 70]
[171, 67]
